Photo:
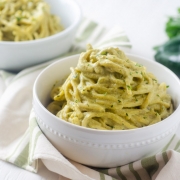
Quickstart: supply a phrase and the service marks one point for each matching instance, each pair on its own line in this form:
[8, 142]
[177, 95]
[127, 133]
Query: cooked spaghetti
[22, 20]
[108, 91]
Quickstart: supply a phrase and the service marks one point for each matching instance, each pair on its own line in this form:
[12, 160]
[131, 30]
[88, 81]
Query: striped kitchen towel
[23, 144]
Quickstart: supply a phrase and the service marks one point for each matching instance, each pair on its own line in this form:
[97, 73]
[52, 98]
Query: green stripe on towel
[22, 159]
[177, 145]
[118, 170]
[150, 165]
[87, 31]
[102, 176]
[134, 172]
[165, 157]
[166, 147]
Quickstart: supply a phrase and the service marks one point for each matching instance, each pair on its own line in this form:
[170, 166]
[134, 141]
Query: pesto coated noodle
[108, 91]
[22, 20]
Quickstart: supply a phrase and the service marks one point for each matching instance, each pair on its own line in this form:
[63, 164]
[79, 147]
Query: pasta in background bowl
[99, 147]
[24, 20]
[40, 40]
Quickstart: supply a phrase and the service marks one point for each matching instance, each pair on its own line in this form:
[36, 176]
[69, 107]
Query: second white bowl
[15, 56]
[102, 148]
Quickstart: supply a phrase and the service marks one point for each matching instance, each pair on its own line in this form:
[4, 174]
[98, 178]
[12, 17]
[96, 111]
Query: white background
[142, 20]
[144, 23]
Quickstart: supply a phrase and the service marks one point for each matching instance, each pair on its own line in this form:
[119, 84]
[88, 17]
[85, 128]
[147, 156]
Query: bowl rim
[35, 98]
[65, 32]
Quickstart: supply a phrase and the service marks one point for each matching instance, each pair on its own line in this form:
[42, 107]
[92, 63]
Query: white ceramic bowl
[103, 148]
[15, 56]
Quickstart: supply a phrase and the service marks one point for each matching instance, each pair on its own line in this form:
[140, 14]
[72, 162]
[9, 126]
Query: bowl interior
[67, 10]
[58, 72]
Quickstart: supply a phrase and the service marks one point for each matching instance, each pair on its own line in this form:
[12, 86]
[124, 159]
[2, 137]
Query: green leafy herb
[129, 87]
[139, 65]
[75, 76]
[173, 25]
[104, 53]
[136, 98]
[18, 19]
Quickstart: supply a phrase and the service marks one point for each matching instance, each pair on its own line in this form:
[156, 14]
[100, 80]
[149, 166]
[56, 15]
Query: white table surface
[142, 20]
